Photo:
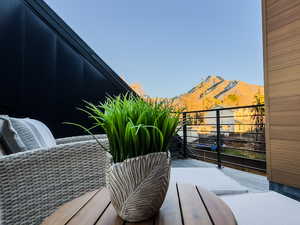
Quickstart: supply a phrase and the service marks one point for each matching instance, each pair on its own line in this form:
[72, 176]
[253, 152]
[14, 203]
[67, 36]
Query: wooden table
[184, 205]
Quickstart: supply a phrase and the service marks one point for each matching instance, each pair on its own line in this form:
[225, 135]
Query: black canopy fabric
[47, 70]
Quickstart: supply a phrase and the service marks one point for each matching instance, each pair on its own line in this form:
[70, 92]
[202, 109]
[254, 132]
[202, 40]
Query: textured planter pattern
[138, 186]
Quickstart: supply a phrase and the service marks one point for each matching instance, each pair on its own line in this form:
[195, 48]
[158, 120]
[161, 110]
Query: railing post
[219, 144]
[184, 128]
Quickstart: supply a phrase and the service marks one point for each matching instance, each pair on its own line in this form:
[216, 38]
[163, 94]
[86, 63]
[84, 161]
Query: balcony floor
[254, 182]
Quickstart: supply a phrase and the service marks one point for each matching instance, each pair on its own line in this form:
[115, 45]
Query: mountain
[216, 91]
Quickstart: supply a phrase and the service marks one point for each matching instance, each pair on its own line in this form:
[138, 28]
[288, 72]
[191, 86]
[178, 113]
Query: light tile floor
[254, 182]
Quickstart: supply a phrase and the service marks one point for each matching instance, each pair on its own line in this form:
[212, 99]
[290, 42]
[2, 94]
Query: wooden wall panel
[291, 148]
[287, 74]
[283, 18]
[284, 89]
[277, 7]
[291, 133]
[285, 118]
[287, 104]
[281, 23]
[285, 32]
[286, 178]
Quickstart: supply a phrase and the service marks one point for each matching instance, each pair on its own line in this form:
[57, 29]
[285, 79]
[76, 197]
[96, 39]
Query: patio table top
[185, 204]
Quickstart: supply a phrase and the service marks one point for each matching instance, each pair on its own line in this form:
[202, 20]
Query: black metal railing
[230, 136]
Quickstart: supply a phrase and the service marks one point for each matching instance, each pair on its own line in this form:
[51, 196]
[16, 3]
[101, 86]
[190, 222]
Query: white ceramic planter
[138, 186]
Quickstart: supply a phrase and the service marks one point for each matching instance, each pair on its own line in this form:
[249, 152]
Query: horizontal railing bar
[213, 117]
[229, 108]
[214, 137]
[225, 138]
[225, 124]
[247, 150]
[222, 153]
[232, 163]
[244, 166]
[232, 132]
[238, 149]
[241, 140]
[224, 132]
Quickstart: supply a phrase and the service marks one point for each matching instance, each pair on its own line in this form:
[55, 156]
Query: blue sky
[168, 46]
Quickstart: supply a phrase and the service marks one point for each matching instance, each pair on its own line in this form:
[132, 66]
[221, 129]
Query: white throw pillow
[22, 134]
[41, 132]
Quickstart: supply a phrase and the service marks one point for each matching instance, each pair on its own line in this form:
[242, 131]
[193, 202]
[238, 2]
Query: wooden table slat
[169, 213]
[193, 210]
[68, 210]
[220, 213]
[92, 210]
[110, 217]
[184, 205]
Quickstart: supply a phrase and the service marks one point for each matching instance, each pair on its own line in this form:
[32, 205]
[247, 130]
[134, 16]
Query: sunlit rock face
[214, 91]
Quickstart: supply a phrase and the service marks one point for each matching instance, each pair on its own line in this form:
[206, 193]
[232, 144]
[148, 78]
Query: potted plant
[138, 132]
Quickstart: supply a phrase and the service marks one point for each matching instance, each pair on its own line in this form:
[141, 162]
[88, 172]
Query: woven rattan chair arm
[66, 140]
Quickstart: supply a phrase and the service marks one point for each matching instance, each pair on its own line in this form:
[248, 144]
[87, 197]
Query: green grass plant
[134, 126]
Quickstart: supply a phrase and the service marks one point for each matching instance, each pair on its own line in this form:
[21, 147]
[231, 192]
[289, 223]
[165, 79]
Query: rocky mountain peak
[214, 90]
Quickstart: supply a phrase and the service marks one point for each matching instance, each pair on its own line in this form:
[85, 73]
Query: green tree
[258, 118]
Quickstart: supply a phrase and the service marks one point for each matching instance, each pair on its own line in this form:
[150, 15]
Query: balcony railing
[226, 136]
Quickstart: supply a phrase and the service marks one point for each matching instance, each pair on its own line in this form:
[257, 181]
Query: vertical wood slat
[219, 212]
[92, 210]
[169, 213]
[193, 210]
[266, 88]
[68, 210]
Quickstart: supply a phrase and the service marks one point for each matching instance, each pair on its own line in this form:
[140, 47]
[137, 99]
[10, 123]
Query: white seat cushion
[264, 208]
[211, 179]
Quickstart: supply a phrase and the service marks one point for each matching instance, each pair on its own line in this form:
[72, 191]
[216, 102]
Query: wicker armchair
[34, 183]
